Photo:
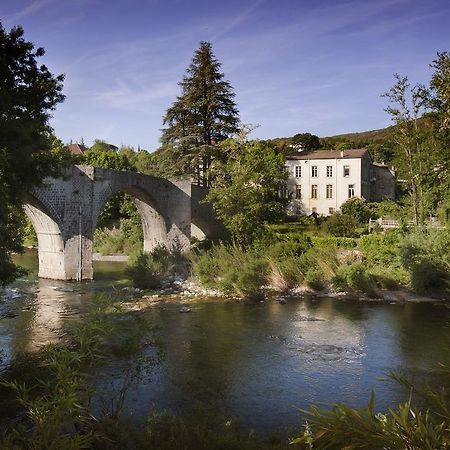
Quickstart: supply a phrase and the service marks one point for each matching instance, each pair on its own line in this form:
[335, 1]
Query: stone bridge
[64, 213]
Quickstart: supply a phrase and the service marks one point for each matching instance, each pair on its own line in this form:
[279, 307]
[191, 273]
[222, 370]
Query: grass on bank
[417, 259]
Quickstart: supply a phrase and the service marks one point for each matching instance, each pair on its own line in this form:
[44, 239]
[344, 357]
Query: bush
[382, 249]
[314, 279]
[357, 208]
[334, 242]
[289, 248]
[341, 225]
[148, 270]
[426, 255]
[354, 276]
[127, 239]
[232, 269]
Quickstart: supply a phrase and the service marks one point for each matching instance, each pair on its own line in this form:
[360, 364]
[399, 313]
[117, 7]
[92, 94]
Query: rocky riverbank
[189, 289]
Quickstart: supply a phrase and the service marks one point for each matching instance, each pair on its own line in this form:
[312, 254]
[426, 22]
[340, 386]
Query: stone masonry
[64, 213]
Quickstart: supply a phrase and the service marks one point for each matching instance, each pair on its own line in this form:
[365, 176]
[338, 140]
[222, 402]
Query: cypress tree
[204, 114]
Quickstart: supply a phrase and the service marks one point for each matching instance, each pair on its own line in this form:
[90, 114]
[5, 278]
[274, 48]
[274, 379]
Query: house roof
[76, 149]
[330, 154]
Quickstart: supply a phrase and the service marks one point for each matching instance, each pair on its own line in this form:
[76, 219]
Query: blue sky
[295, 65]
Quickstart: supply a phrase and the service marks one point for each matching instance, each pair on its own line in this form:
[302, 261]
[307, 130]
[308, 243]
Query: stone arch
[203, 221]
[50, 240]
[154, 223]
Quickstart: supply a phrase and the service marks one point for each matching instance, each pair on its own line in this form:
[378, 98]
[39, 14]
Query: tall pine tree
[203, 115]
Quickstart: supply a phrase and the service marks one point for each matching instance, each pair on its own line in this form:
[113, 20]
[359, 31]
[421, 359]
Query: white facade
[322, 181]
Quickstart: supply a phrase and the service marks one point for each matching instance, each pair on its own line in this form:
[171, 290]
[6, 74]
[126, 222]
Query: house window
[329, 191]
[346, 171]
[351, 190]
[283, 191]
[299, 210]
[298, 171]
[329, 171]
[330, 210]
[298, 191]
[286, 169]
[314, 191]
[314, 171]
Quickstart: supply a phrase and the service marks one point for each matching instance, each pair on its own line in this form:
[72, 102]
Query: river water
[259, 362]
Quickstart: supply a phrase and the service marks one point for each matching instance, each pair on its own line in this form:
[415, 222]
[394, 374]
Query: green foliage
[149, 270]
[232, 270]
[106, 156]
[354, 276]
[202, 428]
[127, 239]
[119, 206]
[203, 115]
[389, 210]
[341, 225]
[306, 141]
[245, 195]
[422, 423]
[382, 249]
[334, 242]
[419, 258]
[440, 88]
[314, 279]
[28, 94]
[283, 249]
[357, 208]
[426, 255]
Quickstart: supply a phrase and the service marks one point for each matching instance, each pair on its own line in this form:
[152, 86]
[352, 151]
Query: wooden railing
[388, 224]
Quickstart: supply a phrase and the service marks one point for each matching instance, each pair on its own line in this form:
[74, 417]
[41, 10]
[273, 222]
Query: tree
[409, 103]
[440, 88]
[28, 94]
[357, 208]
[306, 141]
[108, 156]
[203, 115]
[246, 190]
[105, 155]
[439, 179]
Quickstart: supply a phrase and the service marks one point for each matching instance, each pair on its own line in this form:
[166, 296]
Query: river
[260, 362]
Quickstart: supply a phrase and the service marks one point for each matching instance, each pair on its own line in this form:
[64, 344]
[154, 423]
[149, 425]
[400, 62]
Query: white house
[321, 181]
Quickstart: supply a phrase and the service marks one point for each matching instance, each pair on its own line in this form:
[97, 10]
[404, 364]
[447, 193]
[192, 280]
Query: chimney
[342, 153]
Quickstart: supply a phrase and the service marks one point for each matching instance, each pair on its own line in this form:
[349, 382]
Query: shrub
[126, 239]
[341, 225]
[232, 269]
[289, 248]
[426, 255]
[148, 270]
[334, 242]
[357, 208]
[250, 279]
[354, 276]
[314, 279]
[382, 249]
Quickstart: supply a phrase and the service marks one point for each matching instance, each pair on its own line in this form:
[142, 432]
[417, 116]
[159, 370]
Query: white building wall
[339, 182]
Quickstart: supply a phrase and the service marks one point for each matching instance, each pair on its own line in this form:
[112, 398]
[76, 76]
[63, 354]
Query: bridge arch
[48, 230]
[155, 225]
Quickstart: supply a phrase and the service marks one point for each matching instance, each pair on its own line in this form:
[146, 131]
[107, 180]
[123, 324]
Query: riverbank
[190, 291]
